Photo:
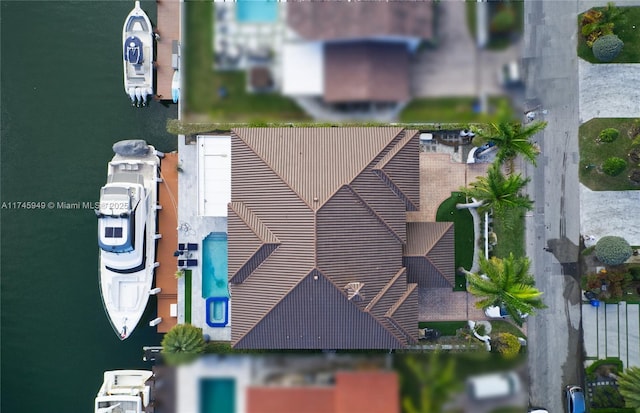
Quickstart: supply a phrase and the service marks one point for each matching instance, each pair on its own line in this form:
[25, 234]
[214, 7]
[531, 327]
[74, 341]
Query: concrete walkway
[612, 330]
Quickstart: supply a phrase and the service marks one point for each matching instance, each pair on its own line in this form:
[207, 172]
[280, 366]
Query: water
[215, 265]
[63, 106]
[252, 11]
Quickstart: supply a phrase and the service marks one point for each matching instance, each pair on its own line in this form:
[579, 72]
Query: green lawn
[447, 328]
[502, 326]
[451, 109]
[495, 42]
[203, 83]
[510, 233]
[463, 232]
[593, 154]
[187, 296]
[626, 32]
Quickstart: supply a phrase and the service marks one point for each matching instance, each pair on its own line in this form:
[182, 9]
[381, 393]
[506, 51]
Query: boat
[175, 86]
[123, 391]
[137, 40]
[127, 233]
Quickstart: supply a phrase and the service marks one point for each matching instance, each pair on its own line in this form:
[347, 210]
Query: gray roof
[429, 254]
[314, 210]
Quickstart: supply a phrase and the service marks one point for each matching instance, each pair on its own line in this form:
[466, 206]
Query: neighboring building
[316, 230]
[357, 52]
[353, 392]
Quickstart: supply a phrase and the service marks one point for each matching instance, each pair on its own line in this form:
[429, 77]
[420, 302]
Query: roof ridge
[254, 223]
[374, 213]
[384, 290]
[438, 270]
[410, 288]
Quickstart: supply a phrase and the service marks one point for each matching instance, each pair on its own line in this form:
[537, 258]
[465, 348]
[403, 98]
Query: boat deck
[168, 26]
[167, 224]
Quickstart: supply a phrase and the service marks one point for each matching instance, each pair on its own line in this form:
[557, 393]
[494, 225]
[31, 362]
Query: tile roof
[429, 254]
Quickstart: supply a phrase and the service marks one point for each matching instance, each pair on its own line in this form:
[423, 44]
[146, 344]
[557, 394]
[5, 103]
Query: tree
[612, 250]
[498, 192]
[629, 387]
[512, 139]
[182, 344]
[435, 381]
[506, 283]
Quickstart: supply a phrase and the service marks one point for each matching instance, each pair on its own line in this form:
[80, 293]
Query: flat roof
[303, 69]
[214, 175]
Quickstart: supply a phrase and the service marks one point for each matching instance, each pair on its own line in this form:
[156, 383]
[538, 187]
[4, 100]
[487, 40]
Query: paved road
[554, 334]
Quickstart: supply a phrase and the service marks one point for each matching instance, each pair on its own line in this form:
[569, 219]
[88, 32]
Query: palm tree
[497, 192]
[182, 344]
[506, 283]
[629, 387]
[512, 139]
[435, 380]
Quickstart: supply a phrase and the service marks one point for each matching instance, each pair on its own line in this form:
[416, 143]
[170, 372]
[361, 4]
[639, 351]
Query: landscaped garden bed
[504, 25]
[620, 22]
[602, 386]
[598, 170]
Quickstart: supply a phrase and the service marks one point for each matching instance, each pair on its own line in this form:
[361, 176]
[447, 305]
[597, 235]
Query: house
[353, 392]
[353, 52]
[316, 231]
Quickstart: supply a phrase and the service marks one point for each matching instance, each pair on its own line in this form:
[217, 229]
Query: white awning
[303, 69]
[214, 175]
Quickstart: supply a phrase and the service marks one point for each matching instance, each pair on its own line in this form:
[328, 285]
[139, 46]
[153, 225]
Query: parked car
[493, 386]
[537, 410]
[499, 312]
[575, 399]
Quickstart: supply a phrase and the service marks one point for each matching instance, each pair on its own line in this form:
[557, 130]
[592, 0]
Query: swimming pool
[256, 11]
[214, 265]
[218, 395]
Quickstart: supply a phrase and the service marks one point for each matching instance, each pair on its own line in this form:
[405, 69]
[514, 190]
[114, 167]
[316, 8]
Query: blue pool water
[256, 11]
[218, 395]
[214, 265]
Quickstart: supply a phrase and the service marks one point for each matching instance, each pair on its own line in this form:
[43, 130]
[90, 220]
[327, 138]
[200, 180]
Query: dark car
[575, 399]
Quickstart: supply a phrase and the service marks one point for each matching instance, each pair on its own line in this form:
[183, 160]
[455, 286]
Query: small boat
[175, 86]
[127, 233]
[123, 391]
[137, 40]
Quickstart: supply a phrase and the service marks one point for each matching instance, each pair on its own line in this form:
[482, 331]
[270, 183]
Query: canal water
[63, 106]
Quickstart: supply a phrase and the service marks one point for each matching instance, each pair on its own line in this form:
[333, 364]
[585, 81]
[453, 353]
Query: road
[555, 337]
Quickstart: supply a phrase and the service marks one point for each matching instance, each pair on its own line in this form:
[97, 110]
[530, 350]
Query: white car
[499, 312]
[493, 386]
[510, 74]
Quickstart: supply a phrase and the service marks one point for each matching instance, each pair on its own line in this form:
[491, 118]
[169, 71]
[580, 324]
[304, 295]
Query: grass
[502, 326]
[463, 233]
[631, 37]
[449, 109]
[446, 328]
[594, 153]
[203, 83]
[509, 230]
[187, 296]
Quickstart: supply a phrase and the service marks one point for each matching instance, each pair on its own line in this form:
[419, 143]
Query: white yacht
[137, 40]
[127, 233]
[123, 391]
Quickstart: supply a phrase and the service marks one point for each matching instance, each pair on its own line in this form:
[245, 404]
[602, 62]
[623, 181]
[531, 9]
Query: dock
[167, 224]
[167, 46]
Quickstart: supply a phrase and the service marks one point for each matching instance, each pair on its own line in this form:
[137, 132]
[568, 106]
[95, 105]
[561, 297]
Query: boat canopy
[133, 50]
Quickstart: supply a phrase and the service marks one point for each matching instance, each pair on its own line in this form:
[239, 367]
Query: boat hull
[137, 42]
[125, 293]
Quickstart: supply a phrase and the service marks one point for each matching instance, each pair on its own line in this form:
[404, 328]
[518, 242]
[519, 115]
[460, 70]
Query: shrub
[506, 344]
[635, 142]
[609, 135]
[612, 250]
[504, 20]
[606, 396]
[634, 155]
[635, 273]
[182, 344]
[614, 166]
[607, 47]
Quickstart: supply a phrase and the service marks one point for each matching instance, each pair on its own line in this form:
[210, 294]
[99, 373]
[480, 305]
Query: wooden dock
[168, 28]
[167, 224]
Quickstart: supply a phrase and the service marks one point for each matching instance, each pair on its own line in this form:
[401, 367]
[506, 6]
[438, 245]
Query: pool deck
[167, 223]
[193, 228]
[168, 27]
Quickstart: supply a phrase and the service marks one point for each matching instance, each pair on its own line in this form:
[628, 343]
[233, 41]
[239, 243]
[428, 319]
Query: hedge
[609, 135]
[607, 48]
[614, 166]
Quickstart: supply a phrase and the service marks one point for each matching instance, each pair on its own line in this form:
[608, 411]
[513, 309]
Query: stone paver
[444, 304]
[607, 213]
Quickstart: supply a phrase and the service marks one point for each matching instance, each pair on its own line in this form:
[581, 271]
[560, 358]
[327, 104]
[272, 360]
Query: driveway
[455, 67]
[608, 213]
